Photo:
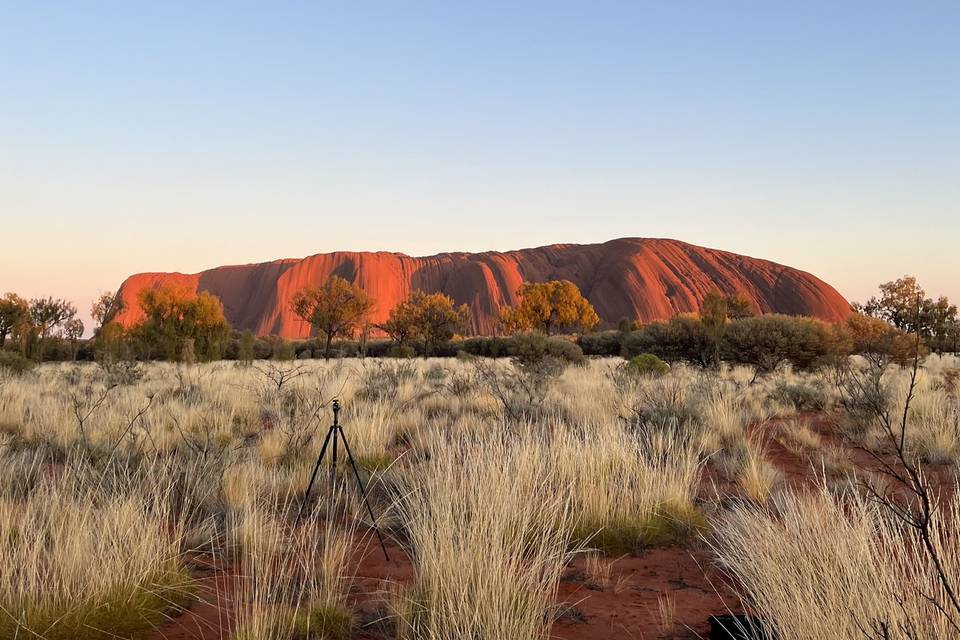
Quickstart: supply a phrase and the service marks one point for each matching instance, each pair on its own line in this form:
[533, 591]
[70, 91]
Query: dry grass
[115, 483]
[81, 563]
[819, 565]
[490, 539]
[666, 614]
[292, 582]
[798, 438]
[758, 477]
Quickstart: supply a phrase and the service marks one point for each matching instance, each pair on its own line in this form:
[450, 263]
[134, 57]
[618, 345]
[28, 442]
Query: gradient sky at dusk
[176, 136]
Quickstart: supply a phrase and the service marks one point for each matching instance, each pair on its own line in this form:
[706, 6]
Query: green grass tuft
[671, 524]
[127, 612]
[317, 622]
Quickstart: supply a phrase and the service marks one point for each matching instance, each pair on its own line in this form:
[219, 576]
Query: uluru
[638, 278]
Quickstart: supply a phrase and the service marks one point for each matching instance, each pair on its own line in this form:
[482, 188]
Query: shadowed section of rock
[642, 278]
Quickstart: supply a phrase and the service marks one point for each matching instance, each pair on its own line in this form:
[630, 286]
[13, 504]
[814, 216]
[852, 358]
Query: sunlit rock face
[638, 278]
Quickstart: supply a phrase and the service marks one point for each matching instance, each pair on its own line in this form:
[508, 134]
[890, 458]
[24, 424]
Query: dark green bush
[802, 396]
[768, 341]
[647, 364]
[602, 343]
[680, 339]
[487, 346]
[525, 348]
[401, 351]
[283, 350]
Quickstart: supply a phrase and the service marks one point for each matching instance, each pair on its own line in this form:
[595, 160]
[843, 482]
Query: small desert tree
[334, 310]
[105, 308]
[73, 331]
[175, 317]
[897, 304]
[903, 304]
[549, 306]
[438, 320]
[401, 325]
[713, 314]
[14, 311]
[245, 348]
[47, 314]
[429, 318]
[878, 341]
[941, 317]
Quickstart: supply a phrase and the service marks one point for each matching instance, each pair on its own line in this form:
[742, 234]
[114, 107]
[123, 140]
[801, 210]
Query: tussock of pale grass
[819, 565]
[598, 570]
[758, 476]
[489, 536]
[797, 437]
[78, 563]
[933, 433]
[724, 420]
[629, 490]
[292, 582]
[666, 614]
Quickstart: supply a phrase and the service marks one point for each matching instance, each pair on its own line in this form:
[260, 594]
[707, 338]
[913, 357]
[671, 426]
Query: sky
[181, 136]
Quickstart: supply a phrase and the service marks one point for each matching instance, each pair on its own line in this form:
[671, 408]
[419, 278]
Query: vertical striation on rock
[639, 278]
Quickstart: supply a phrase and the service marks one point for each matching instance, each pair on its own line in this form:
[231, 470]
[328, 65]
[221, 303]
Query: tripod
[333, 435]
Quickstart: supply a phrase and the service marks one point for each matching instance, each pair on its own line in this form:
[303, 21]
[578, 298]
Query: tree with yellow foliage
[429, 318]
[181, 324]
[549, 306]
[334, 310]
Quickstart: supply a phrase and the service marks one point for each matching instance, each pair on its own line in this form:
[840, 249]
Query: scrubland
[515, 496]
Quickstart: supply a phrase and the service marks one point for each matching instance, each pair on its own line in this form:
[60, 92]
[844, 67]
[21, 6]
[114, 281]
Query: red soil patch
[627, 608]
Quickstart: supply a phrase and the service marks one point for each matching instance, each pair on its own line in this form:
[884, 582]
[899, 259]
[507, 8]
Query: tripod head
[336, 411]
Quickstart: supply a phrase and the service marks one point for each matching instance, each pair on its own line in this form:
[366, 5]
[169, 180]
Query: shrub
[15, 363]
[766, 342]
[523, 346]
[283, 350]
[601, 343]
[681, 339]
[401, 351]
[802, 396]
[487, 346]
[529, 348]
[647, 364]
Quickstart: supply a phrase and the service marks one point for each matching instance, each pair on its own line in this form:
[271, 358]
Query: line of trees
[32, 323]
[882, 330]
[184, 325]
[904, 305]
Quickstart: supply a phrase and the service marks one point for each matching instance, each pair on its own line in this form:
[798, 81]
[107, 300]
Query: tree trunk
[326, 348]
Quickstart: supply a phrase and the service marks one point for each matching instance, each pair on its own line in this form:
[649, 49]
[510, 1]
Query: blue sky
[179, 136]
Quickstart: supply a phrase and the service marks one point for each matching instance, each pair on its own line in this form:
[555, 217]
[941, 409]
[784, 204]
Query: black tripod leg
[332, 489]
[363, 496]
[313, 476]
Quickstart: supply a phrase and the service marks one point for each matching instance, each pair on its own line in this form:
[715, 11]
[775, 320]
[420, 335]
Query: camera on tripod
[334, 435]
